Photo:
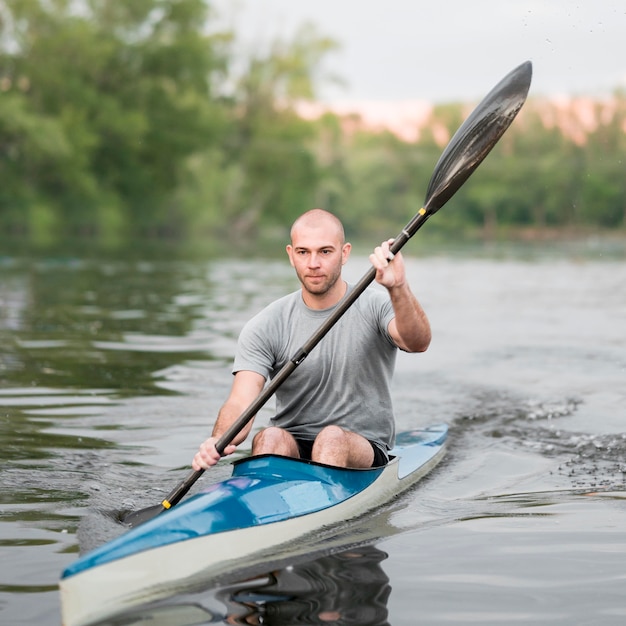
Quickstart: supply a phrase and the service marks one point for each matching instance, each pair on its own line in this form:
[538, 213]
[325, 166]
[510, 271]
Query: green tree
[127, 87]
[604, 191]
[272, 145]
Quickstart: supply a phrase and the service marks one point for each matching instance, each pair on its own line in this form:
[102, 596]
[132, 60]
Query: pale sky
[449, 50]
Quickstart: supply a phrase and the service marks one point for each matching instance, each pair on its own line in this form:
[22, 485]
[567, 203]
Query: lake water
[111, 373]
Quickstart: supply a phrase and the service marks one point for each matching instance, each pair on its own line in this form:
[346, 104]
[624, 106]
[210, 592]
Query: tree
[127, 86]
[272, 145]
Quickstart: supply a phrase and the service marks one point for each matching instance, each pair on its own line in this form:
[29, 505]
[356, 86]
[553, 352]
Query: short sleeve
[253, 352]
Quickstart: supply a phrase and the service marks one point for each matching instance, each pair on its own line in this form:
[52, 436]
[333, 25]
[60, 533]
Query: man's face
[317, 254]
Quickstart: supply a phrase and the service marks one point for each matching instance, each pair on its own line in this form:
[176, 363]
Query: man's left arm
[410, 328]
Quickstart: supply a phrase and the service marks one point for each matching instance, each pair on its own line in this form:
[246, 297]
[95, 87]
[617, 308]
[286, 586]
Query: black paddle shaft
[466, 150]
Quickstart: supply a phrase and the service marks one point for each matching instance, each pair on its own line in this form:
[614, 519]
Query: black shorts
[305, 447]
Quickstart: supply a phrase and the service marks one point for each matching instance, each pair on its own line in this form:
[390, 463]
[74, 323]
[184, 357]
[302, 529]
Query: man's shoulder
[288, 301]
[373, 297]
[276, 309]
[374, 307]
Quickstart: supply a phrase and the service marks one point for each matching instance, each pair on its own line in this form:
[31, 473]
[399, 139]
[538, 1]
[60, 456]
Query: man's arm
[410, 328]
[245, 389]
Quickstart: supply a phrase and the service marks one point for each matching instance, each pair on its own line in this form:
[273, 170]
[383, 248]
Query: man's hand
[389, 268]
[207, 455]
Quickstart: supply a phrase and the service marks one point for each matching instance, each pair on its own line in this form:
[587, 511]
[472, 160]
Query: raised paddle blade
[475, 138]
[471, 143]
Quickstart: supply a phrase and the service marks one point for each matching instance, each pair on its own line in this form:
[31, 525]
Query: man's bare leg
[336, 446]
[274, 440]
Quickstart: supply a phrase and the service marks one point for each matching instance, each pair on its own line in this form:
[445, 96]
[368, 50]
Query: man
[335, 407]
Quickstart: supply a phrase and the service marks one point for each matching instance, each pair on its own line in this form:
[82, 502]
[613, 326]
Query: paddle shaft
[240, 423]
[465, 151]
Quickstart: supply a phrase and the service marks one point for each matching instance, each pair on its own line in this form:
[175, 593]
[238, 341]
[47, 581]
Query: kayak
[268, 502]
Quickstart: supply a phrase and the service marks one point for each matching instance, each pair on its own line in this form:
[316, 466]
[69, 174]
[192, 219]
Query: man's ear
[345, 252]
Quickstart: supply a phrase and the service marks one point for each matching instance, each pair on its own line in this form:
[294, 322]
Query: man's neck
[325, 300]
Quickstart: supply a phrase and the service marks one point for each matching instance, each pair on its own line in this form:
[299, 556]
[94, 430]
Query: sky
[448, 50]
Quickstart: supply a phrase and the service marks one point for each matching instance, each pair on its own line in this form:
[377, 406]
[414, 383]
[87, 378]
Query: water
[112, 371]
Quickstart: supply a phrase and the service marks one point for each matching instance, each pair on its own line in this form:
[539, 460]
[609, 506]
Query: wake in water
[587, 460]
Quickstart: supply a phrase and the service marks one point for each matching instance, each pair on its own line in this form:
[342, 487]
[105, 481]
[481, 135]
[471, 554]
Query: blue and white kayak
[269, 502]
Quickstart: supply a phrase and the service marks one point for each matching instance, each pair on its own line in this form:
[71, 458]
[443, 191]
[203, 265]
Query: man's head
[318, 219]
[318, 251]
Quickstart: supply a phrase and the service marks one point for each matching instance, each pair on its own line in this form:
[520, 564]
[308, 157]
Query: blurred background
[212, 125]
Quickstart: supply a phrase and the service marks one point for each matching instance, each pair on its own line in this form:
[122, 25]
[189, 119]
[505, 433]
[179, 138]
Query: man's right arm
[245, 389]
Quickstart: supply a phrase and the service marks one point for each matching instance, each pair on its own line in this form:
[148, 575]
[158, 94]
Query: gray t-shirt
[345, 380]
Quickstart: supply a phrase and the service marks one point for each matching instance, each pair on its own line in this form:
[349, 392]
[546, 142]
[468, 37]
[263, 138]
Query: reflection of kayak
[268, 502]
[347, 587]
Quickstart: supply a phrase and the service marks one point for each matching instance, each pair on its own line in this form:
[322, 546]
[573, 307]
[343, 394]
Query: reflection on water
[347, 588]
[89, 325]
[91, 357]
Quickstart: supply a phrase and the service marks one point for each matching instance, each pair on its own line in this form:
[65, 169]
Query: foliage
[126, 118]
[104, 106]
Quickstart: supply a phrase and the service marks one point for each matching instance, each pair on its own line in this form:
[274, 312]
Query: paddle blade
[134, 518]
[475, 138]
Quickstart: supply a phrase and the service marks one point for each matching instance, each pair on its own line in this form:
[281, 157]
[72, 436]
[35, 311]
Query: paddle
[466, 150]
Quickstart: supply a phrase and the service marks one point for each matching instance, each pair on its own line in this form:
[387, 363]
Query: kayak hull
[268, 503]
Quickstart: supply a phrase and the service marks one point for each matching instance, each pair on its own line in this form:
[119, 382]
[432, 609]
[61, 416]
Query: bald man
[335, 408]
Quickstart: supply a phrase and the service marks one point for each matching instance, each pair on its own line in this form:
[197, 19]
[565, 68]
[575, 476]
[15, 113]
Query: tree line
[127, 119]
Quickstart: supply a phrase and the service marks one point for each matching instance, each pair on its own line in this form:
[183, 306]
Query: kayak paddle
[466, 150]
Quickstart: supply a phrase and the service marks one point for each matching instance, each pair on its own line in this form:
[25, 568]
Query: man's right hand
[207, 455]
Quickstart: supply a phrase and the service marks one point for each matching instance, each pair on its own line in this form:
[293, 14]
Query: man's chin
[316, 288]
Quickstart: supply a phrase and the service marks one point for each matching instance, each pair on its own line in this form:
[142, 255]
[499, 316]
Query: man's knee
[274, 440]
[267, 437]
[331, 434]
[336, 446]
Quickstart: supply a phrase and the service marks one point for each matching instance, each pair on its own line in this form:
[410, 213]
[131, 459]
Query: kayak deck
[261, 490]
